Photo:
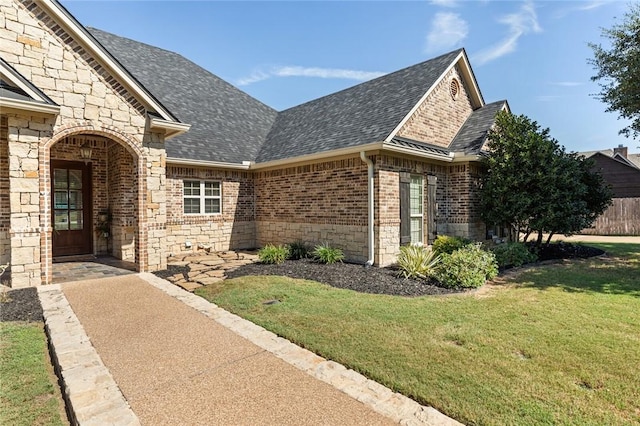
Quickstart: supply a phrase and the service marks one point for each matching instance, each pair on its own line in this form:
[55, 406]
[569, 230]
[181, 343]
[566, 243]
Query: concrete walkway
[178, 359]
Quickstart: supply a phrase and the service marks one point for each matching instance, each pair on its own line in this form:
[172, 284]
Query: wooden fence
[621, 218]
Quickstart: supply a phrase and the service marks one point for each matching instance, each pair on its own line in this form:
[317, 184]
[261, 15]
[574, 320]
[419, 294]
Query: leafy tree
[618, 69]
[533, 185]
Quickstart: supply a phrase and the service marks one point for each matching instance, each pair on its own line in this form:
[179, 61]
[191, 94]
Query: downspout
[370, 194]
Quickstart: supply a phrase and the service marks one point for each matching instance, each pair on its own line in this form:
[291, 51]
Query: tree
[532, 185]
[618, 70]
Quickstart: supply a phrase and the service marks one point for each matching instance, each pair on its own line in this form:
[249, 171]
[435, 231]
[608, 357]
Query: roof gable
[16, 92]
[360, 115]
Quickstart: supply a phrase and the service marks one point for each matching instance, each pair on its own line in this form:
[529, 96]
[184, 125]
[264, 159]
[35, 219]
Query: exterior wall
[387, 202]
[439, 118]
[462, 202]
[92, 102]
[5, 208]
[624, 179]
[317, 203]
[122, 208]
[233, 229]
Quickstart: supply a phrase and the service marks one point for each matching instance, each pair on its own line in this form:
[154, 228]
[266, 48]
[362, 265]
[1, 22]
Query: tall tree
[532, 185]
[618, 69]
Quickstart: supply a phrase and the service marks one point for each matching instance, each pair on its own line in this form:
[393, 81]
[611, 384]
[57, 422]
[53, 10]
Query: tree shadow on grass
[603, 274]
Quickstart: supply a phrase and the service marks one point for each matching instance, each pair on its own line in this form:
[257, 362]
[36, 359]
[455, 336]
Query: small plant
[324, 253]
[513, 254]
[417, 262]
[273, 254]
[446, 244]
[468, 267]
[298, 250]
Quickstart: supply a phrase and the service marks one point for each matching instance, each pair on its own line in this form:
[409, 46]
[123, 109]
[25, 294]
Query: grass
[29, 393]
[555, 344]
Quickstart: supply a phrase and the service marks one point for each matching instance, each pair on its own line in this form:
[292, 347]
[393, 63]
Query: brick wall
[440, 116]
[122, 206]
[323, 202]
[233, 229]
[462, 206]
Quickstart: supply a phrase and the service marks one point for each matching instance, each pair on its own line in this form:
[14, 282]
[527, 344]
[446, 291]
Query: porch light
[85, 151]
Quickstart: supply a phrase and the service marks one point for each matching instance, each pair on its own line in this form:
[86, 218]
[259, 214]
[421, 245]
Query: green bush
[513, 254]
[298, 250]
[417, 262]
[273, 254]
[468, 267]
[324, 253]
[446, 244]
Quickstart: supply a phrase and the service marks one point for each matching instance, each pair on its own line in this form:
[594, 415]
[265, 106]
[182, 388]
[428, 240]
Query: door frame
[86, 247]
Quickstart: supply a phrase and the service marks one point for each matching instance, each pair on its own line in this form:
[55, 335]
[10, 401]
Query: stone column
[24, 186]
[155, 207]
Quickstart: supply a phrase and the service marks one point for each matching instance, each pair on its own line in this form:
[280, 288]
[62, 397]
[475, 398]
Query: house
[111, 146]
[621, 170]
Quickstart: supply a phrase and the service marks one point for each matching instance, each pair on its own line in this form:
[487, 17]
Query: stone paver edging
[380, 398]
[91, 394]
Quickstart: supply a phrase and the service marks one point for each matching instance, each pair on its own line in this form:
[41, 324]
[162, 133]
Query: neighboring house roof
[359, 115]
[632, 160]
[227, 125]
[473, 133]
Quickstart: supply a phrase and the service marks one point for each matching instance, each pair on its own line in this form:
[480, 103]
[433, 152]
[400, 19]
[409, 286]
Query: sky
[532, 53]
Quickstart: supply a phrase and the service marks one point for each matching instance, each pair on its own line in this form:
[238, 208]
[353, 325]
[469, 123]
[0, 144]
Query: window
[202, 197]
[416, 209]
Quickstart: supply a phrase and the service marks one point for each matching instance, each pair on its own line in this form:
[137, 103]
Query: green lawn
[556, 344]
[29, 393]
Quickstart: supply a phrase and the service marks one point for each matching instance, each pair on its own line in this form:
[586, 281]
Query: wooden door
[71, 208]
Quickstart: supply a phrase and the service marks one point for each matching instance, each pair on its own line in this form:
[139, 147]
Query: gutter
[370, 196]
[36, 107]
[245, 165]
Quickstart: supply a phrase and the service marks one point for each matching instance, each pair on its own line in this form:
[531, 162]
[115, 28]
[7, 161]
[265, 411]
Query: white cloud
[448, 30]
[297, 71]
[567, 83]
[520, 23]
[583, 7]
[445, 3]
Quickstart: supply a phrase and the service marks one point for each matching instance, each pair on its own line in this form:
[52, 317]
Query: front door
[71, 207]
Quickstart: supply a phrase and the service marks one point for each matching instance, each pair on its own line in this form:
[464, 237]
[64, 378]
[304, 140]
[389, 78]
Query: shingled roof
[227, 125]
[473, 132]
[359, 115]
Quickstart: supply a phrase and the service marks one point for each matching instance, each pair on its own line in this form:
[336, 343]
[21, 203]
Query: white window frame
[202, 196]
[413, 215]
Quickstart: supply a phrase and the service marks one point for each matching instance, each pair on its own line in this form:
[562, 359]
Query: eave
[169, 128]
[20, 106]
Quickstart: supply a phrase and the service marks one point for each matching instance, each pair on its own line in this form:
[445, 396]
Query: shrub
[273, 254]
[324, 253]
[513, 254]
[468, 267]
[446, 244]
[298, 250]
[417, 262]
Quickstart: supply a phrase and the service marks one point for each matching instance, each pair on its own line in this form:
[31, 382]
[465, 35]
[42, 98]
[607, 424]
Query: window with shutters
[202, 197]
[416, 197]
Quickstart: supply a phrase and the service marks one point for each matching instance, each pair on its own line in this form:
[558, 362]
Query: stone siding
[5, 208]
[233, 229]
[438, 119]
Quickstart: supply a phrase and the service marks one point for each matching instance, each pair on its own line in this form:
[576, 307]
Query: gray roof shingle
[227, 125]
[359, 115]
[473, 132]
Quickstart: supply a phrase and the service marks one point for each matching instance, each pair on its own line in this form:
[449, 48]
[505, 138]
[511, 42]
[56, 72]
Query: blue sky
[532, 53]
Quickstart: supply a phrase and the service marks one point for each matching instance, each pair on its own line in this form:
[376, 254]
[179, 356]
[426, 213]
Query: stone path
[206, 268]
[160, 355]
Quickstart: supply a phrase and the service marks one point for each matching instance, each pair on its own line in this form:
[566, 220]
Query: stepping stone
[177, 263]
[215, 262]
[229, 255]
[209, 280]
[215, 273]
[189, 286]
[198, 267]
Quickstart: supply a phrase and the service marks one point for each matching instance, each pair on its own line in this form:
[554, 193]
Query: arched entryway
[92, 201]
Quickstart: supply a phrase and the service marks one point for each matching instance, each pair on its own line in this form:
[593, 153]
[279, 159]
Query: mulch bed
[562, 250]
[346, 275]
[20, 304]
